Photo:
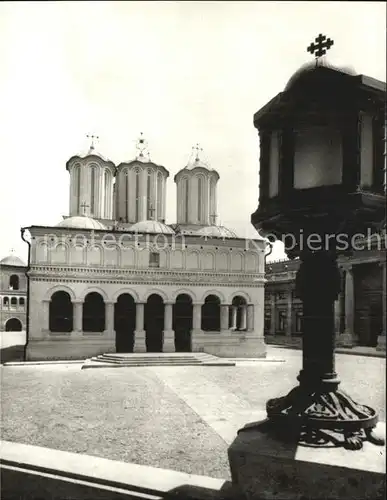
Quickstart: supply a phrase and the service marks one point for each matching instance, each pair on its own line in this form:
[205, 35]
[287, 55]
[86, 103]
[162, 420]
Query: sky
[180, 72]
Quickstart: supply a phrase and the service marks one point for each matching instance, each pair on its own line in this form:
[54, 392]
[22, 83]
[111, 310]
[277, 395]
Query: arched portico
[125, 322]
[182, 322]
[238, 313]
[13, 325]
[154, 323]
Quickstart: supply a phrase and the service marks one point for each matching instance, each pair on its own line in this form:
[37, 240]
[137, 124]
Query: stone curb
[339, 350]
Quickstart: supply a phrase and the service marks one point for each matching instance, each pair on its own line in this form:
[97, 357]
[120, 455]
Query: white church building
[114, 277]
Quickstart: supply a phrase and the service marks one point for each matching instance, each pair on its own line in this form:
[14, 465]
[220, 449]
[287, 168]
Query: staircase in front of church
[125, 360]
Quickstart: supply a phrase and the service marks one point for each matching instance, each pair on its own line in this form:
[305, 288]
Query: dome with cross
[12, 260]
[81, 222]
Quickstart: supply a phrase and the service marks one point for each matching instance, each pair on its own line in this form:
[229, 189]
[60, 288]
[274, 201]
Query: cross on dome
[84, 206]
[197, 150]
[93, 138]
[142, 148]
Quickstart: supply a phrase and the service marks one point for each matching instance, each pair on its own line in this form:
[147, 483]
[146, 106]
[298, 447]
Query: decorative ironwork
[197, 150]
[316, 412]
[142, 147]
[321, 46]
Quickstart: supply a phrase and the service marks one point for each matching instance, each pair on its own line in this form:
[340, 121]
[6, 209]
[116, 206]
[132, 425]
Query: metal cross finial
[198, 150]
[142, 147]
[84, 206]
[213, 219]
[92, 137]
[151, 211]
[12, 250]
[321, 46]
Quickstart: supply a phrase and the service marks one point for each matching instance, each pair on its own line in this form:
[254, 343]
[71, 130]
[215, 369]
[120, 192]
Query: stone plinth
[263, 468]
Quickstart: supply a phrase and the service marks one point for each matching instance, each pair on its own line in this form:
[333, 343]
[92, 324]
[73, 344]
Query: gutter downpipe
[22, 231]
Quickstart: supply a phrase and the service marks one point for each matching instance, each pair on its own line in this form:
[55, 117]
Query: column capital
[109, 302]
[77, 301]
[169, 303]
[196, 303]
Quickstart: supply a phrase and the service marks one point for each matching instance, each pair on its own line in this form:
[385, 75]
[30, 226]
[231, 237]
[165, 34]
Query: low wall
[33, 472]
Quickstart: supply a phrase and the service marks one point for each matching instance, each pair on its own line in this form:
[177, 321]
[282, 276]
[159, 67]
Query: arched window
[148, 194]
[137, 191]
[126, 195]
[6, 301]
[211, 314]
[21, 301]
[200, 198]
[159, 196]
[14, 282]
[13, 302]
[77, 187]
[238, 311]
[93, 174]
[61, 313]
[93, 313]
[186, 198]
[107, 194]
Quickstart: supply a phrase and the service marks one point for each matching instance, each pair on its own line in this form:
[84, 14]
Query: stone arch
[240, 294]
[94, 289]
[96, 251]
[217, 293]
[59, 288]
[184, 291]
[130, 291]
[155, 291]
[13, 325]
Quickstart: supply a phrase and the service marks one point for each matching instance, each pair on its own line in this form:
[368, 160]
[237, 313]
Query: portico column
[272, 314]
[224, 311]
[337, 309]
[243, 318]
[346, 339]
[169, 334]
[109, 327]
[45, 317]
[289, 315]
[196, 342]
[78, 309]
[381, 346]
[139, 333]
[233, 318]
[250, 318]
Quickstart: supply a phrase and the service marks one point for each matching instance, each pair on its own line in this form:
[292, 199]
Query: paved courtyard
[181, 418]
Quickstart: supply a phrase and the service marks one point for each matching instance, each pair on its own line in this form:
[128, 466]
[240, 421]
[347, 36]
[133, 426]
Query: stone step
[117, 360]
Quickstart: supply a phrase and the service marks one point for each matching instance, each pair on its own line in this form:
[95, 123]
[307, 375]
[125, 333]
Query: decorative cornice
[151, 282]
[142, 276]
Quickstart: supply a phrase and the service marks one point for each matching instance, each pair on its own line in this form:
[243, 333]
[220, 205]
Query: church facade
[114, 277]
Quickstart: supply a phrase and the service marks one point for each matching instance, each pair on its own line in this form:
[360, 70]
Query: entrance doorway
[125, 322]
[13, 325]
[182, 323]
[154, 323]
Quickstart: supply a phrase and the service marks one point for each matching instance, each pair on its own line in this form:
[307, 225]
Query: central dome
[151, 226]
[216, 232]
[81, 222]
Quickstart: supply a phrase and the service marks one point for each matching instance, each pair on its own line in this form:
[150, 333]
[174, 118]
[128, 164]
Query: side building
[13, 294]
[360, 310]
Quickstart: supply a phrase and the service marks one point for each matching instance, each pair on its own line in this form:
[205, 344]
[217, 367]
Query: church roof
[216, 232]
[89, 153]
[151, 226]
[194, 164]
[81, 222]
[12, 260]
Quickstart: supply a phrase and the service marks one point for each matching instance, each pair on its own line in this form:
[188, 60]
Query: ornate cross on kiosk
[84, 206]
[321, 46]
[92, 137]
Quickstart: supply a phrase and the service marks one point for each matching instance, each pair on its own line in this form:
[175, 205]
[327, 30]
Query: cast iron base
[320, 418]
